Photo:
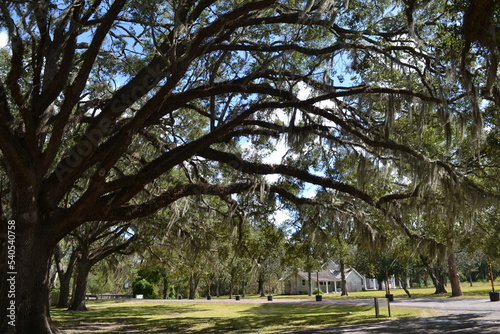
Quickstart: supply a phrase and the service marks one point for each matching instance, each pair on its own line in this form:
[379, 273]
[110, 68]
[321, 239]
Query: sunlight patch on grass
[214, 317]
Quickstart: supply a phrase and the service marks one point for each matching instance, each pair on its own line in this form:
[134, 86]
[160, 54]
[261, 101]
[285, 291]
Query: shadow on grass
[166, 318]
[115, 319]
[265, 318]
[456, 323]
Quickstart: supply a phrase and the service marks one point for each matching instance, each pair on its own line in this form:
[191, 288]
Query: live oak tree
[190, 240]
[88, 85]
[264, 245]
[310, 247]
[97, 241]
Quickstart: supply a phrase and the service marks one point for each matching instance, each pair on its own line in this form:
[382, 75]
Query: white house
[372, 283]
[329, 280]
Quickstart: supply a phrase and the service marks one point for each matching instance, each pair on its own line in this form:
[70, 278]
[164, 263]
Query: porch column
[327, 286]
[335, 286]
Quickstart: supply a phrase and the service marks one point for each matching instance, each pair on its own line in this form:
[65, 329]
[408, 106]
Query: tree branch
[168, 197]
[262, 169]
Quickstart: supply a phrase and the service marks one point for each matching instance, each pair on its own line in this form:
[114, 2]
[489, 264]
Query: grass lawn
[191, 317]
[239, 317]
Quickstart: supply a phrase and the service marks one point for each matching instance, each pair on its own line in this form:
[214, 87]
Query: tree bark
[436, 274]
[165, 285]
[25, 297]
[260, 283]
[343, 279]
[438, 279]
[88, 258]
[309, 280]
[193, 285]
[83, 270]
[456, 290]
[65, 276]
[317, 283]
[404, 285]
[64, 289]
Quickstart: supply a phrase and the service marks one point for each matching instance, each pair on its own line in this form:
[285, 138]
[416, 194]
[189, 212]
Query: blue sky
[4, 39]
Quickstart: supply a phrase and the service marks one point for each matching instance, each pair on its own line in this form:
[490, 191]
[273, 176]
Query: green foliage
[143, 287]
[152, 276]
[172, 292]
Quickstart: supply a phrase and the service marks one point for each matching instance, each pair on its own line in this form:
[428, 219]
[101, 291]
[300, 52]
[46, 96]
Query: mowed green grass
[238, 317]
[214, 317]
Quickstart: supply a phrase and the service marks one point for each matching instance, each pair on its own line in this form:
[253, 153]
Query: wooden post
[381, 302]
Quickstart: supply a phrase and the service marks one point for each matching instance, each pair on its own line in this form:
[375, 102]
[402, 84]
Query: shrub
[171, 292]
[143, 287]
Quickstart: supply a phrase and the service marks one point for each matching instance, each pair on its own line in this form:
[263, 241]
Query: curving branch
[128, 212]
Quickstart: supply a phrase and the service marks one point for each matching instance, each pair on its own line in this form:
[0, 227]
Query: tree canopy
[111, 110]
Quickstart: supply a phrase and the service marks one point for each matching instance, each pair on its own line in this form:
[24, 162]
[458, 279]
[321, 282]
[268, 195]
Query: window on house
[303, 282]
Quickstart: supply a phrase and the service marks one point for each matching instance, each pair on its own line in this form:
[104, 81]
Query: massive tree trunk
[456, 290]
[25, 296]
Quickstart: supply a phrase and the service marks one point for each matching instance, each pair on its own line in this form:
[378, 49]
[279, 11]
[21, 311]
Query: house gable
[330, 280]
